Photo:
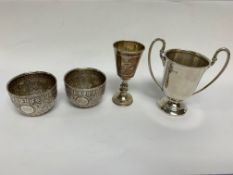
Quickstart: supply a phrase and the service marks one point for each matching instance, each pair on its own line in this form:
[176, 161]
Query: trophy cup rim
[190, 52]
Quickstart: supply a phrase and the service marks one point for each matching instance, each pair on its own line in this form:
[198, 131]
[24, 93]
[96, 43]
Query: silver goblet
[127, 55]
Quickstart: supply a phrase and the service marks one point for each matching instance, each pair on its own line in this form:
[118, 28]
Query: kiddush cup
[85, 86]
[33, 93]
[127, 56]
[183, 70]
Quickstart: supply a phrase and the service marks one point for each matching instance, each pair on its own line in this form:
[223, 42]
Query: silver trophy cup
[183, 70]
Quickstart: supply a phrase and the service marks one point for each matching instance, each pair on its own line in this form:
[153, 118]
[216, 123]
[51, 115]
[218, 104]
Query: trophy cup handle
[161, 56]
[214, 59]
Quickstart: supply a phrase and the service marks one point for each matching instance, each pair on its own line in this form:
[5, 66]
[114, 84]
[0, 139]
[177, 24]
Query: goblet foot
[171, 107]
[122, 99]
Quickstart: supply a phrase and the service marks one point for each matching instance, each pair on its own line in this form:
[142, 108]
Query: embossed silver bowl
[85, 86]
[33, 93]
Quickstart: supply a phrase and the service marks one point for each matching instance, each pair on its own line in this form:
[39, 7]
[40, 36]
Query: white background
[58, 36]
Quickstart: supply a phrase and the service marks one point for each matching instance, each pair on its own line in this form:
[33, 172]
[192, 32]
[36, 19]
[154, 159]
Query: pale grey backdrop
[58, 36]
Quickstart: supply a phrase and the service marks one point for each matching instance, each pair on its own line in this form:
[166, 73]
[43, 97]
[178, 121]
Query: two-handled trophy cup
[127, 55]
[183, 70]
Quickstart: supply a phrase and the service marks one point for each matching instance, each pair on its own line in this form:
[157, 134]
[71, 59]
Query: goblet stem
[123, 98]
[124, 88]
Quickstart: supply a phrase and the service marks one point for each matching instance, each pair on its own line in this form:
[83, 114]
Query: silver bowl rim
[84, 69]
[31, 73]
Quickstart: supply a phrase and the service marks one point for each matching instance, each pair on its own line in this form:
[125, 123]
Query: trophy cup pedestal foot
[171, 107]
[122, 99]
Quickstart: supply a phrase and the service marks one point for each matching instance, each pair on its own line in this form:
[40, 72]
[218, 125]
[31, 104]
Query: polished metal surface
[182, 73]
[85, 86]
[33, 93]
[172, 107]
[127, 55]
